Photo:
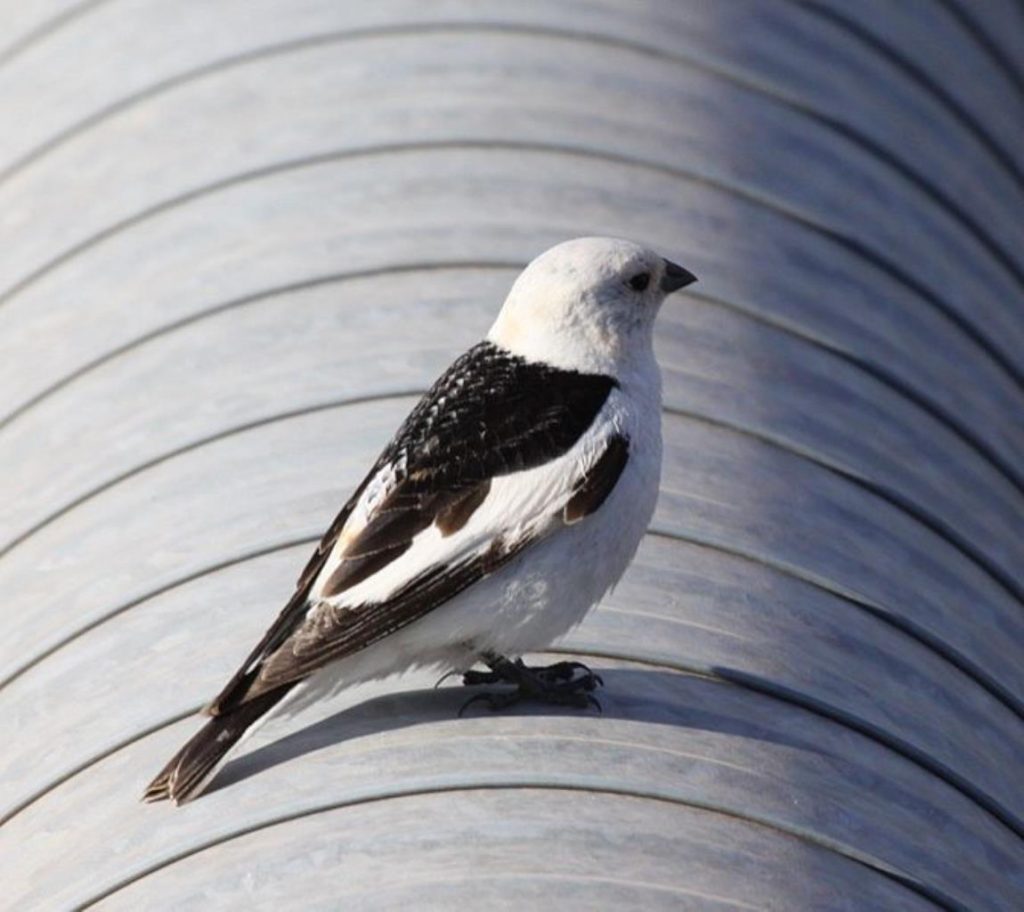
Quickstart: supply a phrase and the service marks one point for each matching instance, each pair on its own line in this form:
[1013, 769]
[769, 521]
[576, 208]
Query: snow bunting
[509, 502]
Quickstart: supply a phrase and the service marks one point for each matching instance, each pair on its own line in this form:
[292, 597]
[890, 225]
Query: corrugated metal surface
[239, 237]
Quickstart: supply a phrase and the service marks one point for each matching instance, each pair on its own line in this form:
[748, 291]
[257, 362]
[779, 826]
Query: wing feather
[490, 416]
[548, 500]
[332, 632]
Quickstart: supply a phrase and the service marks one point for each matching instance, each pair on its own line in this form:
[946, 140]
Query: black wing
[490, 414]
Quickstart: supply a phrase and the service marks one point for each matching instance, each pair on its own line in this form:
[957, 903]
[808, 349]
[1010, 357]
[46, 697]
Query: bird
[509, 502]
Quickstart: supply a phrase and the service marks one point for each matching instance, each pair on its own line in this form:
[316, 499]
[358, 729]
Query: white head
[588, 305]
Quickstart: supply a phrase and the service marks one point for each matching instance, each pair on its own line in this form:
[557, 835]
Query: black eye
[639, 282]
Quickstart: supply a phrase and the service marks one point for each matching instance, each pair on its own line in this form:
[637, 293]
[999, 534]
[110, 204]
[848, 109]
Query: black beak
[676, 277]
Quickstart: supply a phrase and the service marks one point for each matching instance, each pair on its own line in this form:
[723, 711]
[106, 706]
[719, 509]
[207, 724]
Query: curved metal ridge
[905, 626]
[336, 37]
[224, 184]
[876, 733]
[874, 370]
[904, 504]
[919, 514]
[933, 894]
[782, 695]
[921, 181]
[877, 370]
[244, 300]
[199, 443]
[268, 420]
[981, 37]
[792, 697]
[993, 246]
[576, 879]
[195, 710]
[913, 72]
[70, 774]
[731, 677]
[153, 593]
[852, 245]
[46, 29]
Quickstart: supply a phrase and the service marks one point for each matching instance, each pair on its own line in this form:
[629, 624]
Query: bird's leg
[564, 683]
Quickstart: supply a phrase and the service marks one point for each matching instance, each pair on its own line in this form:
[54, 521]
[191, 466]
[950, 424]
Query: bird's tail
[189, 770]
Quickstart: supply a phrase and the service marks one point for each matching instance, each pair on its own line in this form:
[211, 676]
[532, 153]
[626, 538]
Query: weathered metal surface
[238, 238]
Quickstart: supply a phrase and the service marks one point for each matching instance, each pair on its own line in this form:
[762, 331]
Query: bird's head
[588, 304]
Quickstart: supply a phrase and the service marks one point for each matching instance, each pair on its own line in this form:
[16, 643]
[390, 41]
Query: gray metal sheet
[710, 746]
[720, 615]
[599, 107]
[947, 58]
[238, 239]
[382, 216]
[187, 377]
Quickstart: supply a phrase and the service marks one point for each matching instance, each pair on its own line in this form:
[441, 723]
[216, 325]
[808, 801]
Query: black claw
[562, 684]
[473, 678]
[566, 671]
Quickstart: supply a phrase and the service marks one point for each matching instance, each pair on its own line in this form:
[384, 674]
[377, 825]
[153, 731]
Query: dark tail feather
[189, 769]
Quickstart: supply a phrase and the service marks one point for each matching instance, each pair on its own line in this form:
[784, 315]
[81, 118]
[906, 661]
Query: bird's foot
[562, 684]
[514, 672]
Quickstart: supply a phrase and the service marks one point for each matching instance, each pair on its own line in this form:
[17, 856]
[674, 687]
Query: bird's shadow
[655, 697]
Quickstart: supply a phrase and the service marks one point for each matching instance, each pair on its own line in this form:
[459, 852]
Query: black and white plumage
[511, 499]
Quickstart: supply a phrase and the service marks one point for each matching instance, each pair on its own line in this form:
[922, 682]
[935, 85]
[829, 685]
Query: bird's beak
[676, 277]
